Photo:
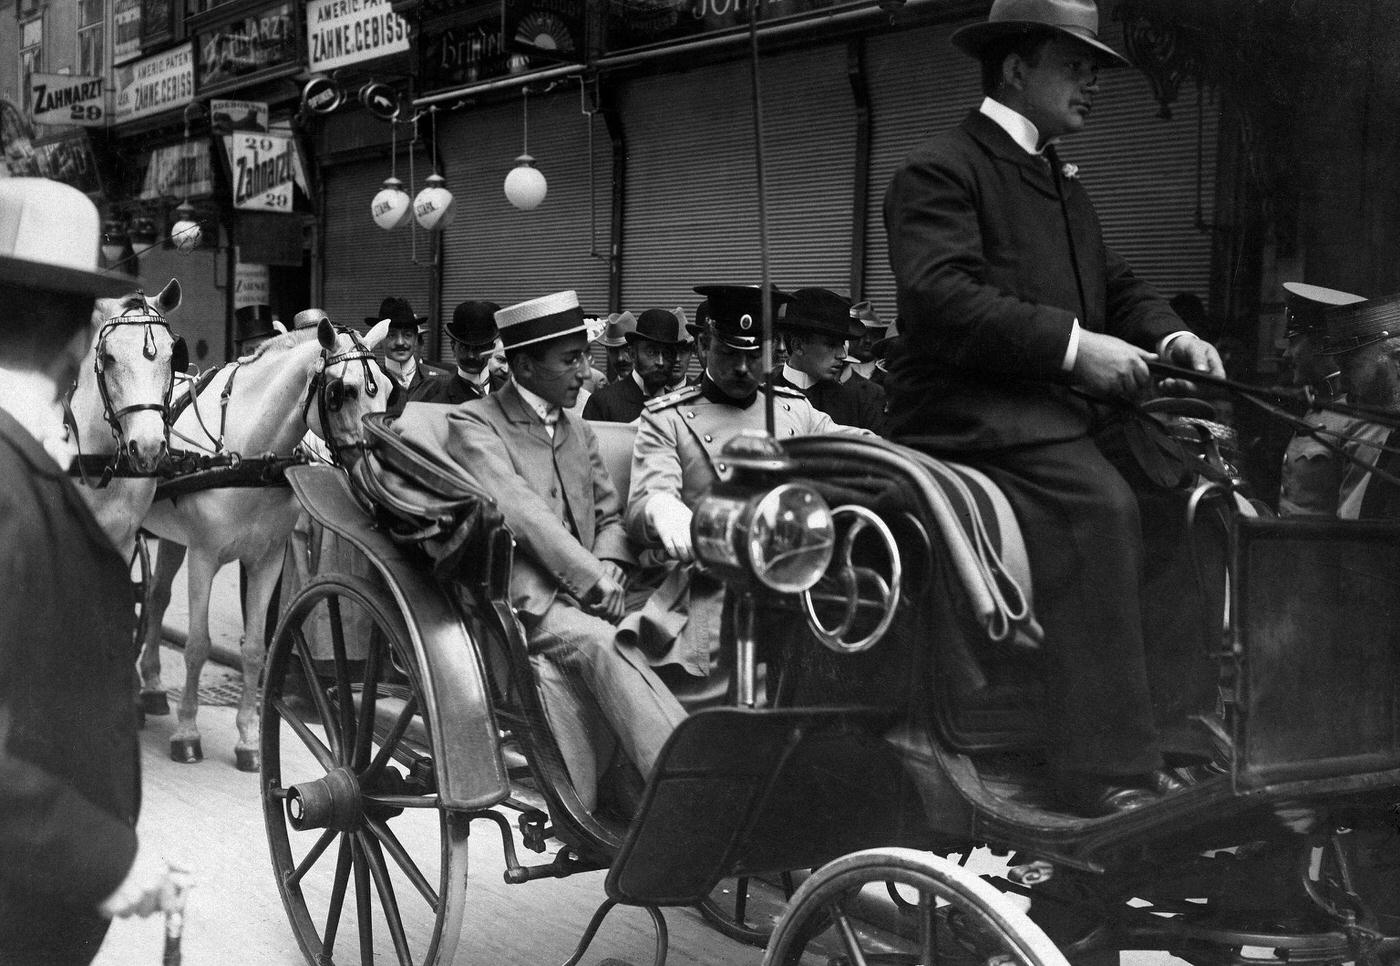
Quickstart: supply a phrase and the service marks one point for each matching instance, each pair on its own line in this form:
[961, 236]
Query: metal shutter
[363, 263]
[496, 252]
[1139, 169]
[691, 215]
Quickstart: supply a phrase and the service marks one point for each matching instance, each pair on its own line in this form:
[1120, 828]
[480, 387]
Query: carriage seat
[615, 446]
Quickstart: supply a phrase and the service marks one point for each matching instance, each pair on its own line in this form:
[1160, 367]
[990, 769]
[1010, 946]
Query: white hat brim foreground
[49, 240]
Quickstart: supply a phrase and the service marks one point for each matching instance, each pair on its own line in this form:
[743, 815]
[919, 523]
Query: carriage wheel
[746, 911]
[369, 864]
[955, 917]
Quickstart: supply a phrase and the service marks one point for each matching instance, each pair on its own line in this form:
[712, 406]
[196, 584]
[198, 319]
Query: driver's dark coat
[69, 763]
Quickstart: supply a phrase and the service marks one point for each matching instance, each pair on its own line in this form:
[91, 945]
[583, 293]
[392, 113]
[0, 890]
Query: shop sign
[67, 99]
[155, 84]
[263, 171]
[250, 285]
[226, 115]
[321, 95]
[157, 21]
[343, 32]
[463, 53]
[178, 171]
[126, 31]
[68, 158]
[262, 39]
[632, 24]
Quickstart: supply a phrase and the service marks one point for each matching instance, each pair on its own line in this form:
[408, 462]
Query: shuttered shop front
[364, 264]
[1139, 169]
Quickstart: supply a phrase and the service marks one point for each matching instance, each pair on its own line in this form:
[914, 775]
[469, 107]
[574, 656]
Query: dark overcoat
[617, 402]
[452, 389]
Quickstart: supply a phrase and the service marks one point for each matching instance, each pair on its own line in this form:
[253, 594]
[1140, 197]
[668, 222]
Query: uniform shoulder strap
[785, 390]
[672, 398]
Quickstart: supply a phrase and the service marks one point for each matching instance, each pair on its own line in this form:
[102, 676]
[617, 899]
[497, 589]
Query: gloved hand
[152, 884]
[670, 518]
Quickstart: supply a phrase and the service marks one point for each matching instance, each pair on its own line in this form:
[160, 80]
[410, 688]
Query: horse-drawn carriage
[892, 731]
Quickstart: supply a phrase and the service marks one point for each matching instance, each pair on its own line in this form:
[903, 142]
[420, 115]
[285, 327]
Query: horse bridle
[328, 390]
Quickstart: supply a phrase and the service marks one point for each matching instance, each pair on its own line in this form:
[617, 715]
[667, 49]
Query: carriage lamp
[392, 207]
[143, 235]
[435, 207]
[113, 241]
[783, 535]
[525, 185]
[186, 233]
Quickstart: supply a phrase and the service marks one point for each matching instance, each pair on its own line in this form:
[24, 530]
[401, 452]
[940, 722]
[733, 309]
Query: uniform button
[722, 467]
[709, 438]
[553, 491]
[791, 431]
[787, 407]
[690, 414]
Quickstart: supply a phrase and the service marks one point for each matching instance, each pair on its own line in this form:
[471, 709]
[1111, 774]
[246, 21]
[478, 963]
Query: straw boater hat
[540, 320]
[50, 236]
[1306, 307]
[1076, 19]
[309, 318]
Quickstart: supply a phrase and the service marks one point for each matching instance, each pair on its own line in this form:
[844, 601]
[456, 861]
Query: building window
[92, 20]
[31, 44]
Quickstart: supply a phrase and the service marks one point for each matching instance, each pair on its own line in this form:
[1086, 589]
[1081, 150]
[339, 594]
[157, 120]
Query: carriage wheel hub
[332, 802]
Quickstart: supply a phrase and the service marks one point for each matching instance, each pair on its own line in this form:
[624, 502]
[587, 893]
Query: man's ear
[1013, 71]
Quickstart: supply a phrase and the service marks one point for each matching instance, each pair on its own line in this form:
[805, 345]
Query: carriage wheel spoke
[363, 910]
[313, 684]
[342, 678]
[369, 694]
[325, 757]
[391, 741]
[338, 887]
[400, 855]
[928, 928]
[849, 939]
[370, 849]
[304, 866]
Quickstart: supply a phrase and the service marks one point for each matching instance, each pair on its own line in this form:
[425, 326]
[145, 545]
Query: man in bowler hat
[69, 779]
[401, 351]
[1015, 312]
[657, 343]
[542, 466]
[816, 325]
[473, 335]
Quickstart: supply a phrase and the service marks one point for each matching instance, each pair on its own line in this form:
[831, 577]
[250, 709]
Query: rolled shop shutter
[496, 252]
[1140, 170]
[362, 263]
[692, 212]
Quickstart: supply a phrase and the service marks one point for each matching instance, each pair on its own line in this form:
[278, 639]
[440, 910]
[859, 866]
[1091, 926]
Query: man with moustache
[472, 332]
[656, 343]
[815, 326]
[401, 348]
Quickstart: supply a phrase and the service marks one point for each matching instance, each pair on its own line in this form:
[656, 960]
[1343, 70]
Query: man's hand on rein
[1194, 353]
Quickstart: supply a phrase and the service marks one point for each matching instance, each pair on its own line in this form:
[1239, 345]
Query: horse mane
[279, 343]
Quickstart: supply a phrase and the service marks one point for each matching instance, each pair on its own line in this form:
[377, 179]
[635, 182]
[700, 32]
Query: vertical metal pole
[755, 7]
[745, 653]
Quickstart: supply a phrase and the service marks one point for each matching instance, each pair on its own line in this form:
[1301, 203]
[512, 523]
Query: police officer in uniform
[473, 334]
[816, 325]
[676, 458]
[1311, 477]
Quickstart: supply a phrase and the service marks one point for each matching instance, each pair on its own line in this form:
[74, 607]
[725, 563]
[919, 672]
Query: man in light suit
[1015, 311]
[542, 465]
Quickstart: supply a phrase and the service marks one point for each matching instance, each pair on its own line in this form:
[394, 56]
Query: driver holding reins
[1016, 316]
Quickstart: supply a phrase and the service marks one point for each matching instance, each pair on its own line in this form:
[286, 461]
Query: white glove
[670, 518]
[151, 885]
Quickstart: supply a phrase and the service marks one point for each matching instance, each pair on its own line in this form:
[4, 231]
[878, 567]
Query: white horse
[118, 406]
[263, 403]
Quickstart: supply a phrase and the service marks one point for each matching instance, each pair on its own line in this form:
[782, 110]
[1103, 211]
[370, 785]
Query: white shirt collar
[637, 378]
[547, 412]
[798, 378]
[403, 373]
[481, 380]
[1021, 130]
[32, 399]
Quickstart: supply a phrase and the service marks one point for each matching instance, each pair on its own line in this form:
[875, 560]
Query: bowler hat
[400, 315]
[735, 313]
[1359, 324]
[820, 310]
[540, 320]
[1305, 307]
[309, 318]
[474, 323]
[1075, 19]
[658, 325]
[619, 324]
[49, 240]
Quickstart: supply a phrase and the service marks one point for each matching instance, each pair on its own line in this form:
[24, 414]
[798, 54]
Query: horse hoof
[246, 759]
[186, 751]
[155, 703]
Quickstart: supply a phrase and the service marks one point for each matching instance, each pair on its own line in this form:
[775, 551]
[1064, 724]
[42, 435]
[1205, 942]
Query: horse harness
[329, 391]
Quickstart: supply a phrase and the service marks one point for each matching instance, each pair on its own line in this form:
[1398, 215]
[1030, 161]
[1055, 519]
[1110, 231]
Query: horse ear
[376, 335]
[325, 334]
[169, 298]
[279, 327]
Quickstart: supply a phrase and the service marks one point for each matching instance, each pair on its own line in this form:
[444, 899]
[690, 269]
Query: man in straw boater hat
[657, 343]
[542, 466]
[1014, 312]
[69, 781]
[1311, 473]
[817, 325]
[675, 460]
[473, 335]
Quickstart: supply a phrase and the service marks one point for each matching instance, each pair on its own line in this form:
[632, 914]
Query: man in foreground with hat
[1311, 475]
[542, 466]
[656, 344]
[473, 335]
[815, 326]
[69, 781]
[401, 351]
[1015, 312]
[674, 462]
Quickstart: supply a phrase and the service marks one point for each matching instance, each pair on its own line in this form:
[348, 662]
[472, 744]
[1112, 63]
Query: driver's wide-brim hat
[540, 320]
[50, 239]
[734, 313]
[1075, 19]
[1306, 307]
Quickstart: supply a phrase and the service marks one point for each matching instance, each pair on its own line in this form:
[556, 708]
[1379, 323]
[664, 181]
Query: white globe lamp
[434, 207]
[391, 207]
[525, 184]
[185, 233]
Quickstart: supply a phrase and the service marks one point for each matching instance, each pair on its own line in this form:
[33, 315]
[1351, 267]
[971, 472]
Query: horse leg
[185, 745]
[169, 557]
[262, 581]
